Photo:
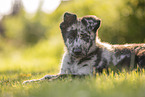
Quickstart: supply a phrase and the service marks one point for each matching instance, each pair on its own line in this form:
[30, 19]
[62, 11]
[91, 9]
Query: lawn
[123, 84]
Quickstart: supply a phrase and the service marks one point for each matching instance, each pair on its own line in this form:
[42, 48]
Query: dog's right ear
[91, 22]
[68, 20]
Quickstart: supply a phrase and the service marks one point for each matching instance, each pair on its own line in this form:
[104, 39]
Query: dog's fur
[84, 51]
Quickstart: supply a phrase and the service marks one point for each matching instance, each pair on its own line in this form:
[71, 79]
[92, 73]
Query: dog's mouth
[77, 55]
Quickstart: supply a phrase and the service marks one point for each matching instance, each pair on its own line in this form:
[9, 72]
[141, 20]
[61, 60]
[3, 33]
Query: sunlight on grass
[126, 84]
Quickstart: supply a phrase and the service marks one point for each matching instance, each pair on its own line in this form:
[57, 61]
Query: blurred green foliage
[122, 21]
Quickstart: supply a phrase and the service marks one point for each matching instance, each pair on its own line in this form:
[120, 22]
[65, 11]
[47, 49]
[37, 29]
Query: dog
[85, 53]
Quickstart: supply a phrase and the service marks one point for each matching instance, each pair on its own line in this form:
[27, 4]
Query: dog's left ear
[91, 22]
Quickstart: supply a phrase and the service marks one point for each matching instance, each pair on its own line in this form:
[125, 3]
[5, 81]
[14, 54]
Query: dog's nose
[77, 51]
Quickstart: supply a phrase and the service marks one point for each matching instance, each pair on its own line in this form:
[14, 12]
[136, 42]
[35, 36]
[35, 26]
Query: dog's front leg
[46, 77]
[63, 76]
[55, 77]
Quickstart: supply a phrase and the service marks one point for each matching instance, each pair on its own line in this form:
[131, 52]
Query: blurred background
[30, 38]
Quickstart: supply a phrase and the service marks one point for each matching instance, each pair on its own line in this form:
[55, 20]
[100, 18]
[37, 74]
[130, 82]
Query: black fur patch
[85, 65]
[99, 56]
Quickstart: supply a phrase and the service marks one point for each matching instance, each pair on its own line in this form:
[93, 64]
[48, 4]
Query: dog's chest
[79, 66]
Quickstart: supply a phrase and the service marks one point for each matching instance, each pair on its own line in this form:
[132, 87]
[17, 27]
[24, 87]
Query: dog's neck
[103, 44]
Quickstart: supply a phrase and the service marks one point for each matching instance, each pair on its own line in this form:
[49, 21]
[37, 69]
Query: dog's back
[135, 51]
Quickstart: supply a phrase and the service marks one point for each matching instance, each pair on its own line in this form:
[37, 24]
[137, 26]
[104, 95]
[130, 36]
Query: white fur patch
[116, 60]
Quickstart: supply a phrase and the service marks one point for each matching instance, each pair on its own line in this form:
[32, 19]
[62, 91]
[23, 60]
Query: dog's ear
[69, 17]
[68, 20]
[91, 22]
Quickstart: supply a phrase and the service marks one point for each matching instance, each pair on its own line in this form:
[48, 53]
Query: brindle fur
[84, 51]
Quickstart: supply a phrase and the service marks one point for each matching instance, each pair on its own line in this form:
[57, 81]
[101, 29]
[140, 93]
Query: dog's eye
[85, 37]
[71, 37]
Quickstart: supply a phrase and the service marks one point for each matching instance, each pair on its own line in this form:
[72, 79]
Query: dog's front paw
[30, 81]
[27, 81]
[46, 77]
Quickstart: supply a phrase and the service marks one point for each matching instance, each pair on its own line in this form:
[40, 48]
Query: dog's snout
[77, 51]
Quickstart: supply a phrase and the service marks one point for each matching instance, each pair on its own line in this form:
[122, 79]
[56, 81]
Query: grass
[20, 65]
[124, 84]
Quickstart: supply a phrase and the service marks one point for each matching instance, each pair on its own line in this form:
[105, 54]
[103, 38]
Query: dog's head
[79, 34]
